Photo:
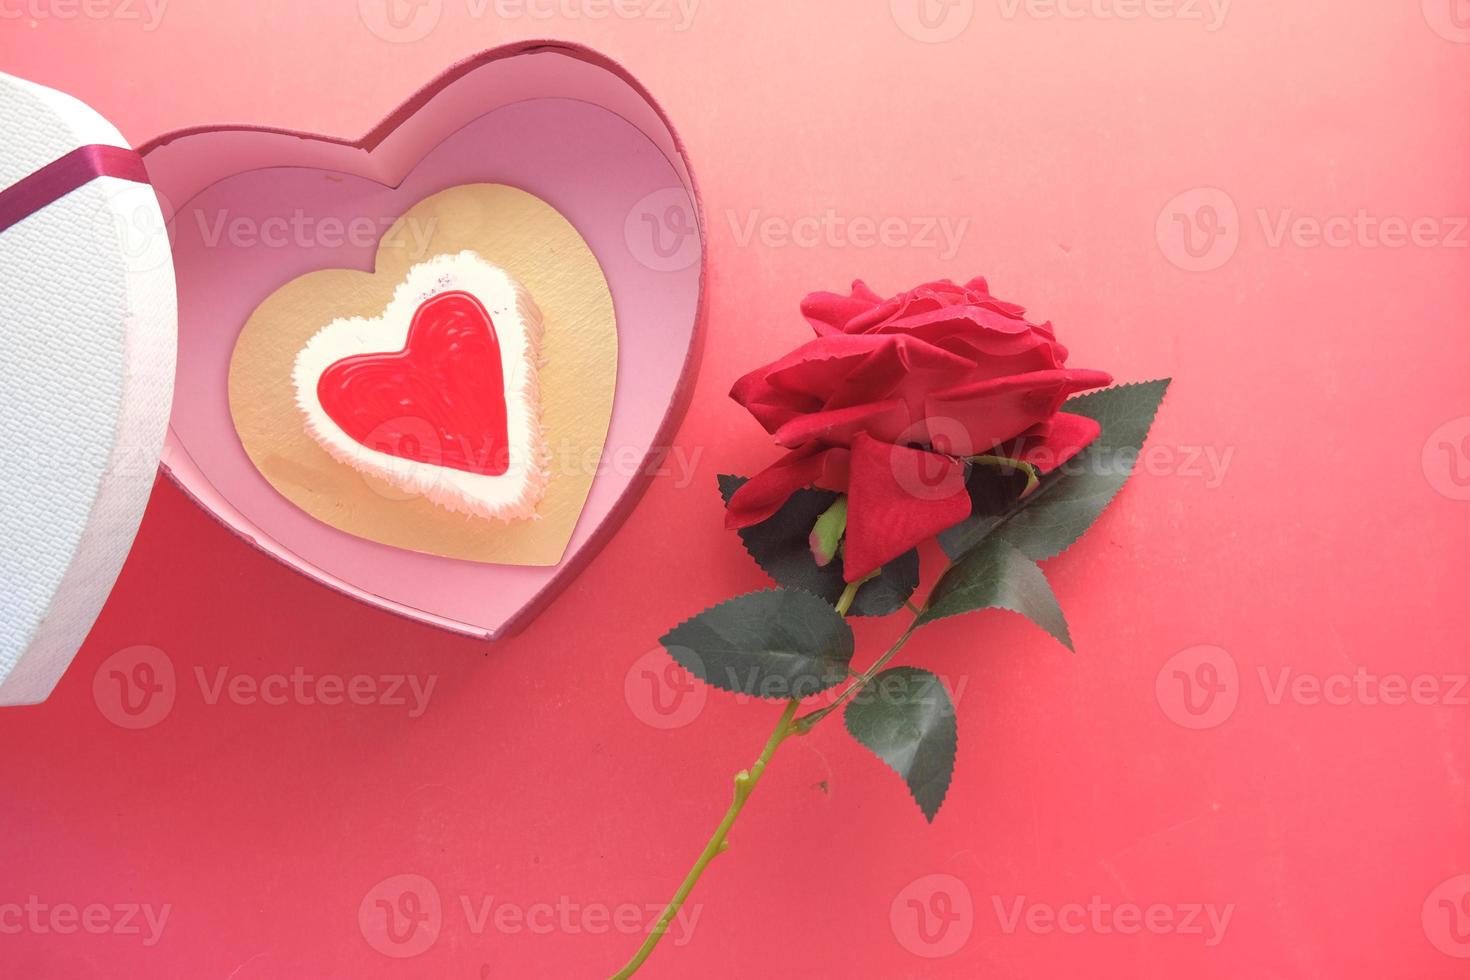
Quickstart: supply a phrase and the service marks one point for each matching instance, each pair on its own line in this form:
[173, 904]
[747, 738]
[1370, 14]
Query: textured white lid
[88, 332]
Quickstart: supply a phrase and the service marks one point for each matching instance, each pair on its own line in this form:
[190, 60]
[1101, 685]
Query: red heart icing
[439, 400]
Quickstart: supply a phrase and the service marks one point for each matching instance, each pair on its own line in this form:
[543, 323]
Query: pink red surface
[1255, 763]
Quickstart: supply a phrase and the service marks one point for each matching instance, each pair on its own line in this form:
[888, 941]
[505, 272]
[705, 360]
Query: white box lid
[88, 335]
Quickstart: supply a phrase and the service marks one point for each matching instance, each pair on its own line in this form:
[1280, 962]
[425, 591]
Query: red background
[1333, 376]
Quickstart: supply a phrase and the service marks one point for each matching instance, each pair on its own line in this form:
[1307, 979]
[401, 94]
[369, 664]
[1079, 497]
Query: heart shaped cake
[439, 395]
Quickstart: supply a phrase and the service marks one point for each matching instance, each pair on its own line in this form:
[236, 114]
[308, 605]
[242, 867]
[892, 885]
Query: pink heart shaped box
[256, 207]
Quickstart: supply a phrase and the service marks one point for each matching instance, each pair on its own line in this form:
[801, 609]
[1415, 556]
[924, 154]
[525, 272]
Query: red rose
[893, 395]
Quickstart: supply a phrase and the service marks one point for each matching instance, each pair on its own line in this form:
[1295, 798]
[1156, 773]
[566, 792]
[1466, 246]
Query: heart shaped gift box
[553, 119]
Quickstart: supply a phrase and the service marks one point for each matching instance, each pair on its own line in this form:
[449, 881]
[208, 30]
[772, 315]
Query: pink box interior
[555, 120]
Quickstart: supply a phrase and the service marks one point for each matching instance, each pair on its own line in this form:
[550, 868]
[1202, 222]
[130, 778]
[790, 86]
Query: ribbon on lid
[38, 190]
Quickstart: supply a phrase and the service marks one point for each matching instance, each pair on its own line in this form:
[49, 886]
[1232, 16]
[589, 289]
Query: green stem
[805, 722]
[745, 781]
[844, 602]
[1013, 464]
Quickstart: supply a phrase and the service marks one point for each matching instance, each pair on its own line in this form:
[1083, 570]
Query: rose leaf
[997, 576]
[776, 644]
[906, 718]
[1065, 504]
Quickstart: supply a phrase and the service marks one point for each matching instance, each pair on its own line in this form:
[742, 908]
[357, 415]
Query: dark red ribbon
[60, 177]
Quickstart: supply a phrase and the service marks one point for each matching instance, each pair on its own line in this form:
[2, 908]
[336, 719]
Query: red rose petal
[897, 497]
[988, 413]
[815, 368]
[887, 419]
[1053, 442]
[829, 313]
[764, 494]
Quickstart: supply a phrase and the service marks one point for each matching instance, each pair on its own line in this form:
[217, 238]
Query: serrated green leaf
[777, 644]
[906, 718]
[997, 576]
[887, 593]
[1067, 502]
[781, 545]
